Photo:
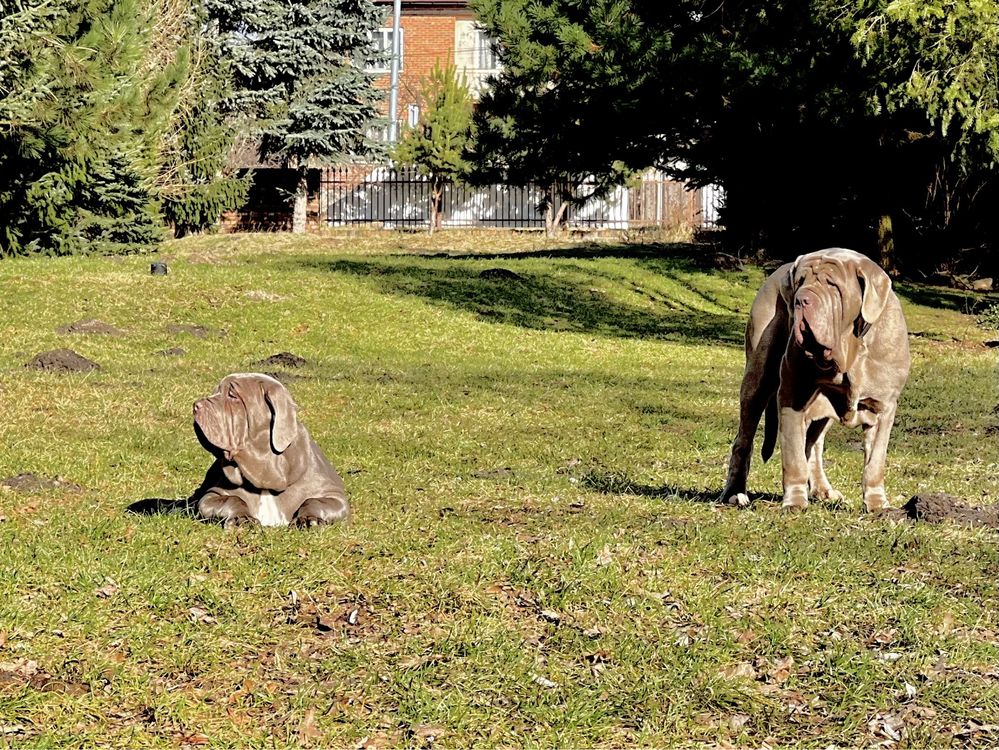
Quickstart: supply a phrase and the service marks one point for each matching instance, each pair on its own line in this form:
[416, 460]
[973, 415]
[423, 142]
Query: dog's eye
[232, 395]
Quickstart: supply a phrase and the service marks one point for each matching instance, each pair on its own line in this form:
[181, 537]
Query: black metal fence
[367, 194]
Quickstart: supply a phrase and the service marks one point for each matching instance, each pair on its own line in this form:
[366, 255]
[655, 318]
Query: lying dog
[826, 340]
[268, 470]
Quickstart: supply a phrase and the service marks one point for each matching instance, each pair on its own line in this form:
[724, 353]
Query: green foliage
[949, 61]
[564, 110]
[989, 317]
[819, 119]
[198, 185]
[439, 144]
[88, 92]
[299, 76]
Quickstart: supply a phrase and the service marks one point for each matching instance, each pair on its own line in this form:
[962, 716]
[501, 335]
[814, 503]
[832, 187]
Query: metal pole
[396, 58]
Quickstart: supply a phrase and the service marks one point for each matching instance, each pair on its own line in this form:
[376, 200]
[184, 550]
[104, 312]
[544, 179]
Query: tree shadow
[943, 298]
[618, 483]
[545, 301]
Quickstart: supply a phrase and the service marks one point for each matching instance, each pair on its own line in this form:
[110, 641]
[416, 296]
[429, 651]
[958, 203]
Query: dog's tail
[769, 429]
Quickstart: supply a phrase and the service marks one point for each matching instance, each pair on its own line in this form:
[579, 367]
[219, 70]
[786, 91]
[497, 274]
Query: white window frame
[383, 37]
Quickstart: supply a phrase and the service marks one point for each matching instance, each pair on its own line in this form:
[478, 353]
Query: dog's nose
[804, 298]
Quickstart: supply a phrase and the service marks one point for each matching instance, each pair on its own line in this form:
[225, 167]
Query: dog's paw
[308, 522]
[795, 498]
[875, 500]
[234, 522]
[828, 493]
[738, 500]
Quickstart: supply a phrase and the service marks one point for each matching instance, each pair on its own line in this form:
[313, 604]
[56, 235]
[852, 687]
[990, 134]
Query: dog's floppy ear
[284, 416]
[875, 288]
[787, 283]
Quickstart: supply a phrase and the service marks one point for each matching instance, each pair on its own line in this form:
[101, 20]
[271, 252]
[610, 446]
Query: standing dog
[268, 470]
[826, 340]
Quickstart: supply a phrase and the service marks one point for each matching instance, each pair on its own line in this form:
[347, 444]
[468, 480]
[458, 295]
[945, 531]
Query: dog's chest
[268, 512]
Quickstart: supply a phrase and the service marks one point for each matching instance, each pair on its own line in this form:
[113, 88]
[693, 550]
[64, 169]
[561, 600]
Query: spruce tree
[300, 79]
[439, 143]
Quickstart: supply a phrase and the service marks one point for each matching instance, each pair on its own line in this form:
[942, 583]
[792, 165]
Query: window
[413, 115]
[485, 55]
[382, 39]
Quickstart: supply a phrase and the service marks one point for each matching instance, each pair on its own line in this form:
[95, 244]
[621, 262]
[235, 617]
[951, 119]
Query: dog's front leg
[227, 509]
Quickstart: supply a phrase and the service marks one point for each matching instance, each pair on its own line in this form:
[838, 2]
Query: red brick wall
[426, 37]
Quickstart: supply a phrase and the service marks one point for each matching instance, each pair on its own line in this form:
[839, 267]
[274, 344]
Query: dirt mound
[938, 507]
[282, 359]
[90, 326]
[61, 360]
[719, 261]
[500, 274]
[173, 351]
[28, 482]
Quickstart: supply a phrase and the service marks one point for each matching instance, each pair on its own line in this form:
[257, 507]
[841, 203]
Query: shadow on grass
[943, 298]
[544, 301]
[616, 483]
[159, 506]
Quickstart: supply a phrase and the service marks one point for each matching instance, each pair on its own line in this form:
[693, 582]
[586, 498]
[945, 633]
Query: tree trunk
[436, 198]
[886, 245]
[299, 212]
[551, 217]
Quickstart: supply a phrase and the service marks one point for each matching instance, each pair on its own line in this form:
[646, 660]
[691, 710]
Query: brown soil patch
[939, 507]
[28, 482]
[282, 359]
[62, 360]
[90, 326]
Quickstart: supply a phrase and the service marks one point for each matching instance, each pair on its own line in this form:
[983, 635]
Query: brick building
[433, 30]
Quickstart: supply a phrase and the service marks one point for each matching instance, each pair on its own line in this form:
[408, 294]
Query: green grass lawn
[535, 557]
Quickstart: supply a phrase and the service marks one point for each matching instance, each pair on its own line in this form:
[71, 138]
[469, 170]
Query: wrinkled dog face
[835, 296]
[249, 415]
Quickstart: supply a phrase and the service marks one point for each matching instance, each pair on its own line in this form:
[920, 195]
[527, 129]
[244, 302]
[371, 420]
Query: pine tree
[84, 106]
[195, 185]
[300, 79]
[439, 143]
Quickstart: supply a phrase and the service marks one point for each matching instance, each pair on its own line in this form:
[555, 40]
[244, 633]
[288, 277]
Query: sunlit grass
[532, 559]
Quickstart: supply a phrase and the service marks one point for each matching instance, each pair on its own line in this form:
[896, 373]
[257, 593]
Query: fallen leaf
[551, 615]
[782, 669]
[735, 671]
[108, 590]
[737, 721]
[195, 739]
[604, 556]
[428, 732]
[746, 636]
[544, 682]
[307, 728]
[200, 615]
[7, 729]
